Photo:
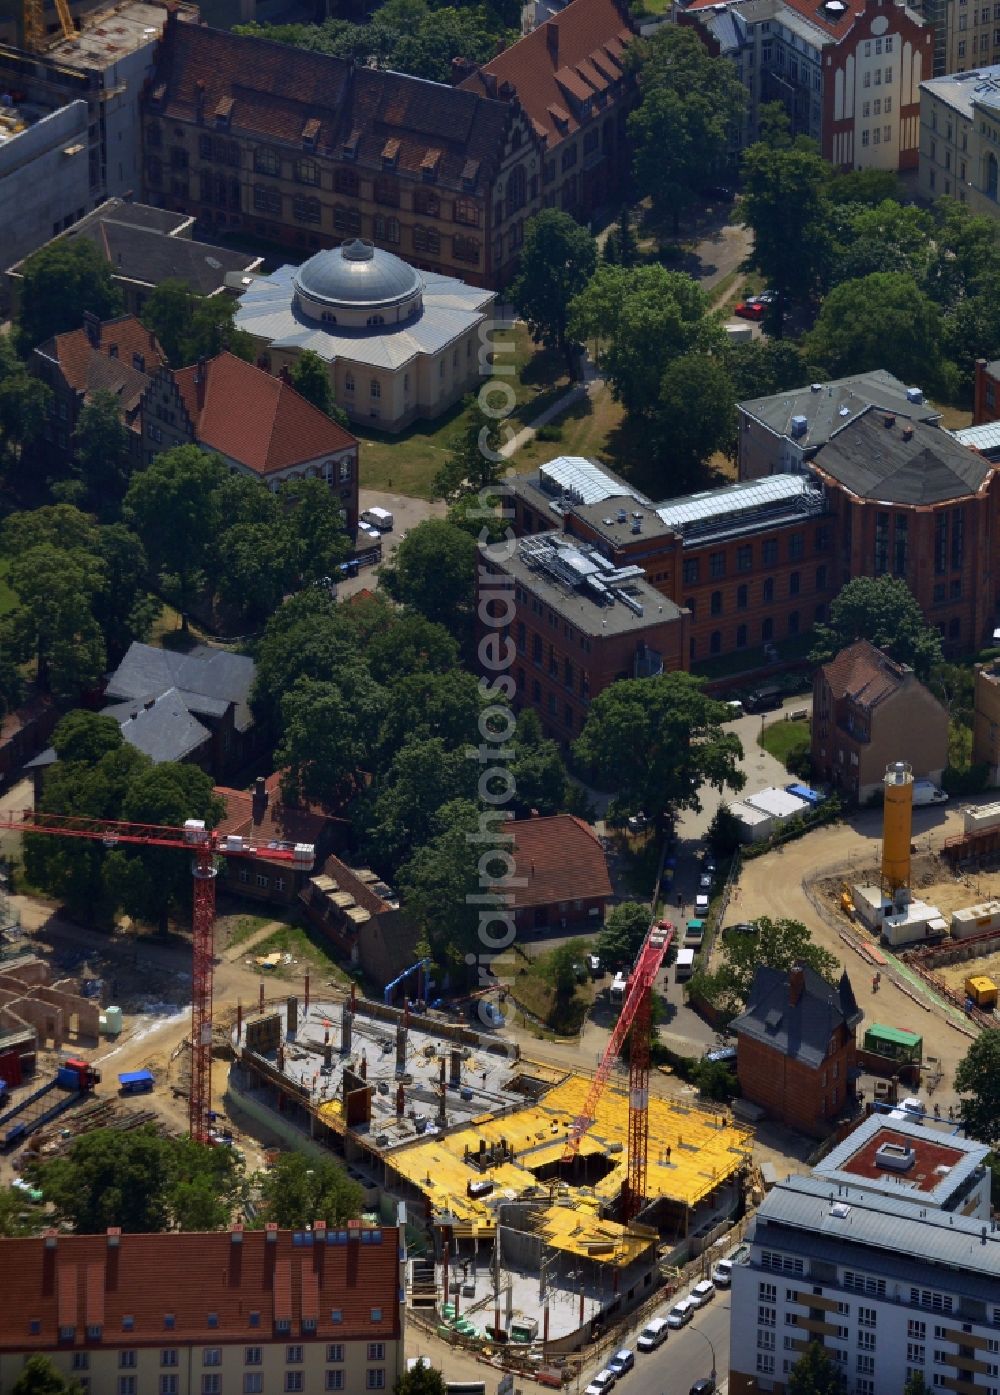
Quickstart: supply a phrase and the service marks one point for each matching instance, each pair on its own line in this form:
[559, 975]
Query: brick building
[361, 915]
[571, 80]
[795, 1046]
[869, 711]
[438, 175]
[560, 874]
[986, 406]
[209, 1314]
[262, 818]
[581, 622]
[986, 720]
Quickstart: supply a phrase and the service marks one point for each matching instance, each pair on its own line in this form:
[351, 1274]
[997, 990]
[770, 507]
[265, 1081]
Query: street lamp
[705, 1338]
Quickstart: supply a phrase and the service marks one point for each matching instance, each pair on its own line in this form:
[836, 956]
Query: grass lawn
[587, 428]
[785, 740]
[408, 462]
[309, 951]
[954, 418]
[240, 926]
[8, 597]
[533, 989]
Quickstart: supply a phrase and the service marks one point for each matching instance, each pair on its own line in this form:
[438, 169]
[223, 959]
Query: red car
[750, 310]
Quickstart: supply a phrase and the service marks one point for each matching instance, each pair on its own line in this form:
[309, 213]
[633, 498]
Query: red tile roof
[189, 1276]
[268, 819]
[113, 362]
[275, 89]
[558, 859]
[261, 421]
[837, 26]
[559, 68]
[864, 674]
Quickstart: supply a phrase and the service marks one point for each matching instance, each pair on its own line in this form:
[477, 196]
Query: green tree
[440, 885]
[329, 729]
[888, 237]
[965, 253]
[764, 367]
[695, 416]
[190, 327]
[972, 331]
[561, 968]
[169, 505]
[871, 187]
[317, 541]
[423, 1379]
[433, 570]
[625, 928]
[816, 1373]
[657, 740]
[916, 1384]
[977, 1082]
[474, 462]
[39, 1377]
[53, 622]
[682, 129]
[880, 321]
[298, 1190]
[306, 638]
[408, 643]
[25, 403]
[537, 769]
[780, 944]
[167, 313]
[557, 261]
[101, 452]
[784, 204]
[124, 609]
[884, 611]
[423, 776]
[311, 377]
[17, 1218]
[61, 282]
[621, 247]
[443, 705]
[86, 736]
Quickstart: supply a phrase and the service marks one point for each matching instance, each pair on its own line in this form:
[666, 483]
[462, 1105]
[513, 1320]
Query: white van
[684, 967]
[653, 1335]
[681, 1313]
[926, 792]
[381, 519]
[618, 987]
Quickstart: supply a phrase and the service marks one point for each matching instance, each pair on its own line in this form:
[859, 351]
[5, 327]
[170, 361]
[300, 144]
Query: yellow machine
[897, 825]
[982, 991]
[36, 35]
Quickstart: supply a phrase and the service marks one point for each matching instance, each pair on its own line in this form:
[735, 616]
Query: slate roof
[78, 1280]
[902, 463]
[208, 680]
[864, 674]
[563, 68]
[558, 859]
[162, 727]
[250, 416]
[450, 307]
[802, 1030]
[273, 90]
[147, 256]
[827, 406]
[112, 365]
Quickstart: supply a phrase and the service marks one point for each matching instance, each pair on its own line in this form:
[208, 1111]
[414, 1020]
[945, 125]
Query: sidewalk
[570, 397]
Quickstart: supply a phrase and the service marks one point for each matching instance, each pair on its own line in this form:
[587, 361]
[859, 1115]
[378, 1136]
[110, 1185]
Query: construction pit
[472, 1137]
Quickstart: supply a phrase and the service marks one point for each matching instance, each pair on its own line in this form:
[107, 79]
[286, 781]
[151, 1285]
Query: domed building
[400, 344]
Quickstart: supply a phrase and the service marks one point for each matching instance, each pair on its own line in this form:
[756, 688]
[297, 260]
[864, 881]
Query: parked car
[701, 905]
[653, 1335]
[595, 966]
[703, 1293]
[742, 927]
[681, 1313]
[926, 792]
[767, 699]
[601, 1383]
[723, 1054]
[722, 1274]
[705, 1386]
[749, 310]
[708, 863]
[705, 882]
[622, 1361]
[637, 822]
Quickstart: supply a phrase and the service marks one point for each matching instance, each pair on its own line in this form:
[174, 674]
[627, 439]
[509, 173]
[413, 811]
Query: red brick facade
[803, 1097]
[986, 404]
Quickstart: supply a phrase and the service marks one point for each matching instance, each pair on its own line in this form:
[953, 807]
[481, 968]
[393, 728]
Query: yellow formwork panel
[691, 1152]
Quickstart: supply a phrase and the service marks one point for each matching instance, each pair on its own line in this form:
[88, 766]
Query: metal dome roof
[356, 274]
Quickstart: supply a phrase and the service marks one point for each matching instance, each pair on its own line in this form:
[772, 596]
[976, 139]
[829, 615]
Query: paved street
[685, 1357]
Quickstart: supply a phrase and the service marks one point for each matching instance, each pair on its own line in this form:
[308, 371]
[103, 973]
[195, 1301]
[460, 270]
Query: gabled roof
[162, 727]
[557, 859]
[264, 818]
[864, 674]
[117, 356]
[362, 885]
[145, 255]
[827, 406]
[881, 457]
[272, 91]
[560, 68]
[799, 1030]
[259, 420]
[208, 1284]
[208, 680]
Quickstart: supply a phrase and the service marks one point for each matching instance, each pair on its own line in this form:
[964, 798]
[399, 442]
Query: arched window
[517, 190]
[742, 597]
[716, 603]
[715, 642]
[348, 381]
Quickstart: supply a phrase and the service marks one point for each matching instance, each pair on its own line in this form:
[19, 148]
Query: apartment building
[960, 136]
[848, 76]
[886, 1255]
[571, 79]
[346, 152]
[580, 622]
[229, 1313]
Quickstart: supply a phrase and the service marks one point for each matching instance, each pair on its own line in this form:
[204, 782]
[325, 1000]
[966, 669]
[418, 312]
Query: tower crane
[35, 32]
[204, 845]
[636, 1014]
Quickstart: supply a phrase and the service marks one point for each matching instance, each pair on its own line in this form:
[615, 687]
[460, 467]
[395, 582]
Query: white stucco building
[401, 344]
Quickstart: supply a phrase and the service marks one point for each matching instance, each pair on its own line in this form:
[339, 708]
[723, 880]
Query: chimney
[461, 68]
[92, 326]
[201, 380]
[907, 433]
[796, 984]
[260, 796]
[552, 39]
[199, 101]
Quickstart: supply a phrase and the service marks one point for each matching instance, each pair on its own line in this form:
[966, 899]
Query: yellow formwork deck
[691, 1152]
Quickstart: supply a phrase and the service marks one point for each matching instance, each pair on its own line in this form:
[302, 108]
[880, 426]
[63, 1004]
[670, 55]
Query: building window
[81, 1361]
[376, 1351]
[465, 249]
[346, 182]
[168, 1356]
[306, 210]
[742, 597]
[211, 1385]
[252, 1356]
[881, 543]
[821, 578]
[957, 539]
[168, 1385]
[691, 571]
[293, 1355]
[769, 552]
[376, 1378]
[717, 565]
[335, 1352]
[426, 240]
[307, 171]
[266, 161]
[715, 606]
[794, 583]
[796, 544]
[744, 558]
[253, 1383]
[375, 1315]
[127, 1360]
[334, 1380]
[347, 220]
[940, 542]
[375, 388]
[267, 200]
[294, 1380]
[768, 590]
[127, 1385]
[467, 212]
[765, 1363]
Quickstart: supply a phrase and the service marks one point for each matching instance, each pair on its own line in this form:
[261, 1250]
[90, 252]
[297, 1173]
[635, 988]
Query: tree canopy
[884, 611]
[780, 944]
[299, 1190]
[883, 320]
[657, 741]
[625, 928]
[977, 1082]
[423, 1379]
[433, 570]
[39, 1376]
[61, 282]
[816, 1373]
[190, 327]
[310, 377]
[557, 261]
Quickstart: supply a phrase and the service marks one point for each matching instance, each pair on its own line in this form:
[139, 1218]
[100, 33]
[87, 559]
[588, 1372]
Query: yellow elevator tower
[897, 824]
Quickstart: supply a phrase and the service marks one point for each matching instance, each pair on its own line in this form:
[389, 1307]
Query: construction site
[477, 1140]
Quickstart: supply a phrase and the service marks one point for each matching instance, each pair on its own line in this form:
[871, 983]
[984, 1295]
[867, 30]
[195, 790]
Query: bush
[972, 780]
[549, 433]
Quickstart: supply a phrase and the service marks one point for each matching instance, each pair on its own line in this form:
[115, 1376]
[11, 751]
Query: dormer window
[390, 154]
[310, 133]
[223, 113]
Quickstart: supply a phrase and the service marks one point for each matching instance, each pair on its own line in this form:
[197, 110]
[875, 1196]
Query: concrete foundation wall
[26, 975]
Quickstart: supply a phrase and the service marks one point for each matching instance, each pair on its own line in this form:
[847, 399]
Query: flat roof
[743, 508]
[111, 34]
[894, 1034]
[961, 90]
[583, 586]
[584, 481]
[778, 803]
[854, 1159]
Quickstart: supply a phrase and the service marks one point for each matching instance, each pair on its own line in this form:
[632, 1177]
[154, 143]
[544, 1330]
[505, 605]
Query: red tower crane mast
[204, 845]
[636, 1013]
